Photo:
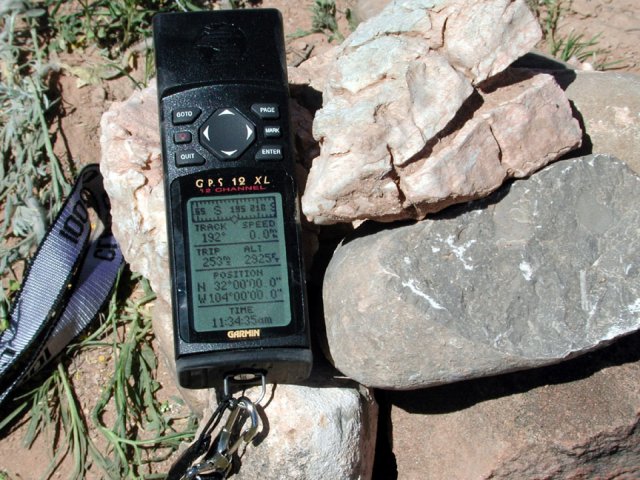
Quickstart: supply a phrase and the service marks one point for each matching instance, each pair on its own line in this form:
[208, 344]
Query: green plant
[549, 13]
[324, 20]
[116, 28]
[131, 392]
[55, 412]
[136, 428]
[234, 4]
[351, 19]
[32, 183]
[573, 45]
[114, 25]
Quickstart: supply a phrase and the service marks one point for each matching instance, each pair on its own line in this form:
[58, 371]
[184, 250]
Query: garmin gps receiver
[238, 292]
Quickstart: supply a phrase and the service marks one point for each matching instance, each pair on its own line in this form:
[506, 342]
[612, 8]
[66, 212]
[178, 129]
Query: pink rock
[578, 421]
[400, 133]
[524, 122]
[131, 165]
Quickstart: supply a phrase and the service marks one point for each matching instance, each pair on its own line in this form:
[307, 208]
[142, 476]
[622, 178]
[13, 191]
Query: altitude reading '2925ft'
[238, 263]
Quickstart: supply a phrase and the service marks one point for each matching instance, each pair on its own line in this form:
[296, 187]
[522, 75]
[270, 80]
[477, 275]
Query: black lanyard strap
[67, 282]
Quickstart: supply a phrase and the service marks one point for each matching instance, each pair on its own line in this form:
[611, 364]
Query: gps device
[238, 291]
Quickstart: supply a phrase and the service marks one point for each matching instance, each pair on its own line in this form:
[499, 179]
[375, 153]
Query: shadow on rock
[461, 395]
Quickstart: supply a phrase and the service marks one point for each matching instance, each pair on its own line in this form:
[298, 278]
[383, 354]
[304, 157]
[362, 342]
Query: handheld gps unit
[238, 291]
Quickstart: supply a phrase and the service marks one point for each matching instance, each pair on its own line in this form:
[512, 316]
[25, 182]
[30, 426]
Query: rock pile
[421, 110]
[418, 112]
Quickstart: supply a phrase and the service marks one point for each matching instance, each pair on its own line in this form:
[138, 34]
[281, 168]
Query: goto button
[266, 110]
[182, 116]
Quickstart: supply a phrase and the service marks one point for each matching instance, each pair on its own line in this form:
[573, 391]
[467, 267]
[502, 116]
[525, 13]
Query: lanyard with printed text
[67, 282]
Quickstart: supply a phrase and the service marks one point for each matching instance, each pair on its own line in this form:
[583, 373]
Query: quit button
[185, 158]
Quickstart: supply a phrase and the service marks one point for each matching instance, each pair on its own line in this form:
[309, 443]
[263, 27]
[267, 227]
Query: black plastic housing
[208, 62]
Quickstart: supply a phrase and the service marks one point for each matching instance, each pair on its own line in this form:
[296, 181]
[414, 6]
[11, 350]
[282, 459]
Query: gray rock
[540, 272]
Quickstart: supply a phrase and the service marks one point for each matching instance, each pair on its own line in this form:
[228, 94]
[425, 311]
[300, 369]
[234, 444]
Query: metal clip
[218, 464]
[235, 421]
[221, 462]
[246, 379]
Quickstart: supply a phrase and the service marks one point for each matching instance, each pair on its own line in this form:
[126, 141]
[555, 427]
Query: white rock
[320, 430]
[467, 168]
[484, 37]
[131, 164]
[400, 128]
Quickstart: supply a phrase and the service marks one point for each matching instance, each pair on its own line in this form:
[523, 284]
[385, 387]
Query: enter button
[269, 152]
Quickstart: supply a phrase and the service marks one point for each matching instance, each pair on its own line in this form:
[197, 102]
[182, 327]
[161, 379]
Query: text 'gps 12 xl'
[238, 294]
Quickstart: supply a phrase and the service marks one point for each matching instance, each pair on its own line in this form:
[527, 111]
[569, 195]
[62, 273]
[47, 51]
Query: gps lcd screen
[238, 262]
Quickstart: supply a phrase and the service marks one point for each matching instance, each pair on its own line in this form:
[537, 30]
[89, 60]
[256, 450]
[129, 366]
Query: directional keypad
[227, 133]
